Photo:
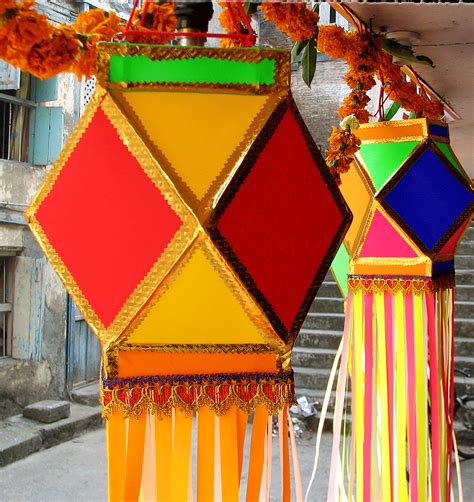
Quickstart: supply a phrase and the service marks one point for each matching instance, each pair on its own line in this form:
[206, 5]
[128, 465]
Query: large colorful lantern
[192, 219]
[411, 202]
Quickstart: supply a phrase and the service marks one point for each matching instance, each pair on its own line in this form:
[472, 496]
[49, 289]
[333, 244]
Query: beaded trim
[160, 394]
[417, 285]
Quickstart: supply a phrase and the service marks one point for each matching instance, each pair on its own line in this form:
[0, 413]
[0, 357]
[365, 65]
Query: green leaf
[308, 62]
[297, 48]
[412, 115]
[404, 52]
[316, 7]
[392, 110]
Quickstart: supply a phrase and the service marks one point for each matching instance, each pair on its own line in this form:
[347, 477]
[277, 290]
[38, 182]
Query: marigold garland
[30, 42]
[295, 19]
[232, 21]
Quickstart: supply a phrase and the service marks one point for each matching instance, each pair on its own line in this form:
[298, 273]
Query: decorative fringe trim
[407, 285]
[398, 369]
[187, 393]
[201, 457]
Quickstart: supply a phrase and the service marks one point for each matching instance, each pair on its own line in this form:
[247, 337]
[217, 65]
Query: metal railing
[14, 127]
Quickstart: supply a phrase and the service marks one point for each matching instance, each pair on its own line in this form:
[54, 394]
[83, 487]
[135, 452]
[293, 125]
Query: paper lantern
[411, 202]
[192, 219]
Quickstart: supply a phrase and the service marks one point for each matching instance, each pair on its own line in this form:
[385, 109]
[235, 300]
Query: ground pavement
[76, 471]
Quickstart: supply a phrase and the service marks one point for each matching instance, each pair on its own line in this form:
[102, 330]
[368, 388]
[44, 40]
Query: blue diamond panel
[429, 198]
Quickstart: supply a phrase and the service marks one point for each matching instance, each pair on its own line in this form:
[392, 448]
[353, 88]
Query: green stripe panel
[383, 159]
[449, 155]
[199, 70]
[340, 269]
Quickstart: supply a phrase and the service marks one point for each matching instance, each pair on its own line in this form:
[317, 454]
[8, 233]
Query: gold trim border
[251, 308]
[250, 55]
[202, 206]
[176, 247]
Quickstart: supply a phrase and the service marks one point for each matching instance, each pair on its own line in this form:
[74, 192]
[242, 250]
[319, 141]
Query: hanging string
[248, 38]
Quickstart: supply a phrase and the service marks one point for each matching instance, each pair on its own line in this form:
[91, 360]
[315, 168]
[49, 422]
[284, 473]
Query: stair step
[464, 292]
[329, 289]
[463, 346]
[465, 277]
[469, 234]
[328, 305]
[463, 262]
[319, 338]
[466, 247]
[313, 358]
[309, 377]
[330, 321]
[318, 396]
[464, 309]
[464, 327]
[463, 385]
[465, 363]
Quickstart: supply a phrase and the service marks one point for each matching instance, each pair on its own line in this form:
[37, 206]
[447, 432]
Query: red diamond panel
[282, 219]
[101, 218]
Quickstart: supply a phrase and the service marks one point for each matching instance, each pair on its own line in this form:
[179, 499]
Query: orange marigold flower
[7, 5]
[158, 17]
[295, 19]
[359, 81]
[23, 30]
[333, 41]
[54, 55]
[232, 21]
[97, 22]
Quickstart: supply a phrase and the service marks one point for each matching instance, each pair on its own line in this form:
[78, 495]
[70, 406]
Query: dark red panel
[283, 220]
[106, 219]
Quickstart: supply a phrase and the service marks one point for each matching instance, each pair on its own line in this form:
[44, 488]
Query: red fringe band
[417, 285]
[160, 399]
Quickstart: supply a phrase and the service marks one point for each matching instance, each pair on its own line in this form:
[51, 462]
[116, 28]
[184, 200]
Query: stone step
[465, 277]
[464, 262]
[331, 321]
[464, 292]
[311, 378]
[318, 397]
[466, 247]
[464, 309]
[469, 234]
[21, 436]
[465, 363]
[463, 346]
[328, 305]
[464, 327]
[329, 289]
[319, 338]
[87, 395]
[463, 385]
[313, 358]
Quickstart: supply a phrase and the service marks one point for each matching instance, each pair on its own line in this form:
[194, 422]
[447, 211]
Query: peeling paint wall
[37, 367]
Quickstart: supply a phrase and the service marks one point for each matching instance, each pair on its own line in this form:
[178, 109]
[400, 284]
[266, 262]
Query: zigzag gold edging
[156, 52]
[175, 248]
[203, 205]
[248, 304]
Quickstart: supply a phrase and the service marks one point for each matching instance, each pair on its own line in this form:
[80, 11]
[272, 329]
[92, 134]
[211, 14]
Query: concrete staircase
[322, 330]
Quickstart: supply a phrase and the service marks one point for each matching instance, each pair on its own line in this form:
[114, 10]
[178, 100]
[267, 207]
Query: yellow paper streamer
[116, 456]
[385, 488]
[401, 399]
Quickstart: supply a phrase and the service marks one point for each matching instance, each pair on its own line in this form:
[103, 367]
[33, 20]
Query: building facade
[46, 348]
